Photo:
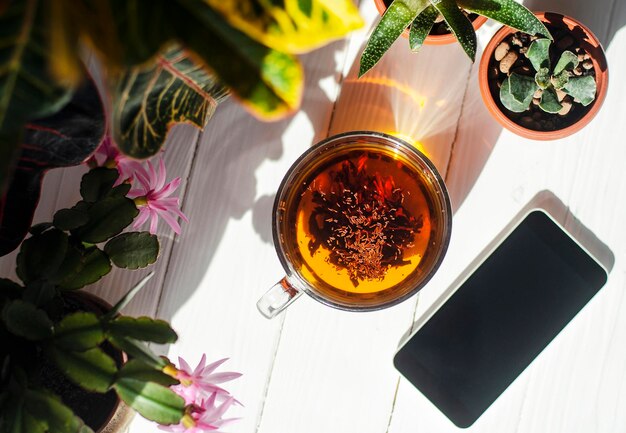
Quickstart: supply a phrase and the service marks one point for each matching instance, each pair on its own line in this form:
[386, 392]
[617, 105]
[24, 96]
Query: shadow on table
[603, 17]
[223, 183]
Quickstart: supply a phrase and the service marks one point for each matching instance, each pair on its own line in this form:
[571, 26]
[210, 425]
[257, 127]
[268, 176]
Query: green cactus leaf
[567, 62]
[107, 218]
[582, 89]
[91, 265]
[97, 183]
[41, 255]
[550, 102]
[137, 350]
[92, 369]
[507, 98]
[153, 401]
[138, 370]
[421, 26]
[143, 329]
[78, 331]
[47, 408]
[507, 12]
[459, 24]
[25, 320]
[69, 219]
[399, 15]
[560, 80]
[542, 78]
[133, 250]
[539, 53]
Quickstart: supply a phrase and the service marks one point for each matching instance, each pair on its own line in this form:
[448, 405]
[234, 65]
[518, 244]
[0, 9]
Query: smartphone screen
[500, 318]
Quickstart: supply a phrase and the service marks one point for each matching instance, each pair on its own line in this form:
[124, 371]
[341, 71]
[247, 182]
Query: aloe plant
[420, 16]
[176, 59]
[517, 91]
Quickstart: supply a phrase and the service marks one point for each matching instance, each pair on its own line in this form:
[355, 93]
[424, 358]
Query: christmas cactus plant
[420, 16]
[550, 85]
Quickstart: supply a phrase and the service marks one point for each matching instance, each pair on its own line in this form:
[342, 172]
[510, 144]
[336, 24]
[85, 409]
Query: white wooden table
[319, 370]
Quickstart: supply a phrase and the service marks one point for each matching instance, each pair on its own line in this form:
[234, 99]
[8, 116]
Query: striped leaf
[460, 25]
[149, 101]
[421, 26]
[27, 91]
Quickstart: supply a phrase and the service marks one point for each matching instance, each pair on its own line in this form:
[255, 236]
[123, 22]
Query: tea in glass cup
[361, 222]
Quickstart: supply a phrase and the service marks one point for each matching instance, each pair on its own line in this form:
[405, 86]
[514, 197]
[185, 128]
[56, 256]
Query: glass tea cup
[361, 222]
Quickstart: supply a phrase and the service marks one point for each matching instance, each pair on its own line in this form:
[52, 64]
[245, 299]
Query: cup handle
[277, 298]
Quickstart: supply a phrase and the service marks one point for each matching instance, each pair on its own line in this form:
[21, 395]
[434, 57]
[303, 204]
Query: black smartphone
[497, 320]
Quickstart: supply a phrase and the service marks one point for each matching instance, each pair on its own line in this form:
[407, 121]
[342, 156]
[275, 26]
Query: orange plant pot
[433, 39]
[587, 40]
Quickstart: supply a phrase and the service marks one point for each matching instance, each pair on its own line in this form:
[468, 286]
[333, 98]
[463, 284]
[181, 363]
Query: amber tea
[363, 223]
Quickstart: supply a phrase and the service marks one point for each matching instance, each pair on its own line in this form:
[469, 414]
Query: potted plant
[420, 16]
[70, 363]
[542, 89]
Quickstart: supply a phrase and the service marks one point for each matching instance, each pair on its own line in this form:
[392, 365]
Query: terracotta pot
[121, 415]
[587, 40]
[433, 39]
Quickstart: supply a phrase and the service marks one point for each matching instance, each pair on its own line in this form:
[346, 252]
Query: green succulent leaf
[152, 400]
[27, 90]
[128, 297]
[567, 62]
[39, 292]
[507, 98]
[268, 82]
[69, 219]
[39, 228]
[26, 320]
[522, 88]
[421, 27]
[143, 329]
[560, 80]
[399, 15]
[459, 24]
[550, 101]
[91, 369]
[97, 183]
[107, 218]
[47, 409]
[150, 100]
[542, 78]
[92, 265]
[582, 89]
[78, 331]
[133, 250]
[539, 53]
[137, 350]
[507, 12]
[138, 370]
[41, 255]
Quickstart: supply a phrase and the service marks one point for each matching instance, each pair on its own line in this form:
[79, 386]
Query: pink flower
[152, 197]
[107, 155]
[206, 402]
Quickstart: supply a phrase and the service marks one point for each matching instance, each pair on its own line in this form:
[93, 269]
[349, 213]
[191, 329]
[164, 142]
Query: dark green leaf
[153, 401]
[567, 62]
[507, 12]
[97, 183]
[122, 189]
[32, 425]
[459, 24]
[542, 78]
[133, 250]
[107, 218]
[41, 255]
[40, 228]
[25, 320]
[39, 292]
[93, 264]
[143, 329]
[92, 369]
[135, 369]
[149, 101]
[137, 350]
[421, 26]
[507, 98]
[539, 53]
[522, 88]
[128, 297]
[69, 219]
[27, 89]
[399, 15]
[550, 102]
[64, 139]
[583, 89]
[46, 407]
[79, 331]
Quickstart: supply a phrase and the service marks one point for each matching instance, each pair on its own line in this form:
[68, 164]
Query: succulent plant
[550, 84]
[421, 15]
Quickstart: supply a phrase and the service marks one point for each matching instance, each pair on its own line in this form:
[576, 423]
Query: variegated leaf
[292, 26]
[149, 101]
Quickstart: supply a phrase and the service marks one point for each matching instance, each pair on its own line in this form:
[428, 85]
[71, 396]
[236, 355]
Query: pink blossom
[201, 380]
[152, 197]
[107, 155]
[203, 417]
